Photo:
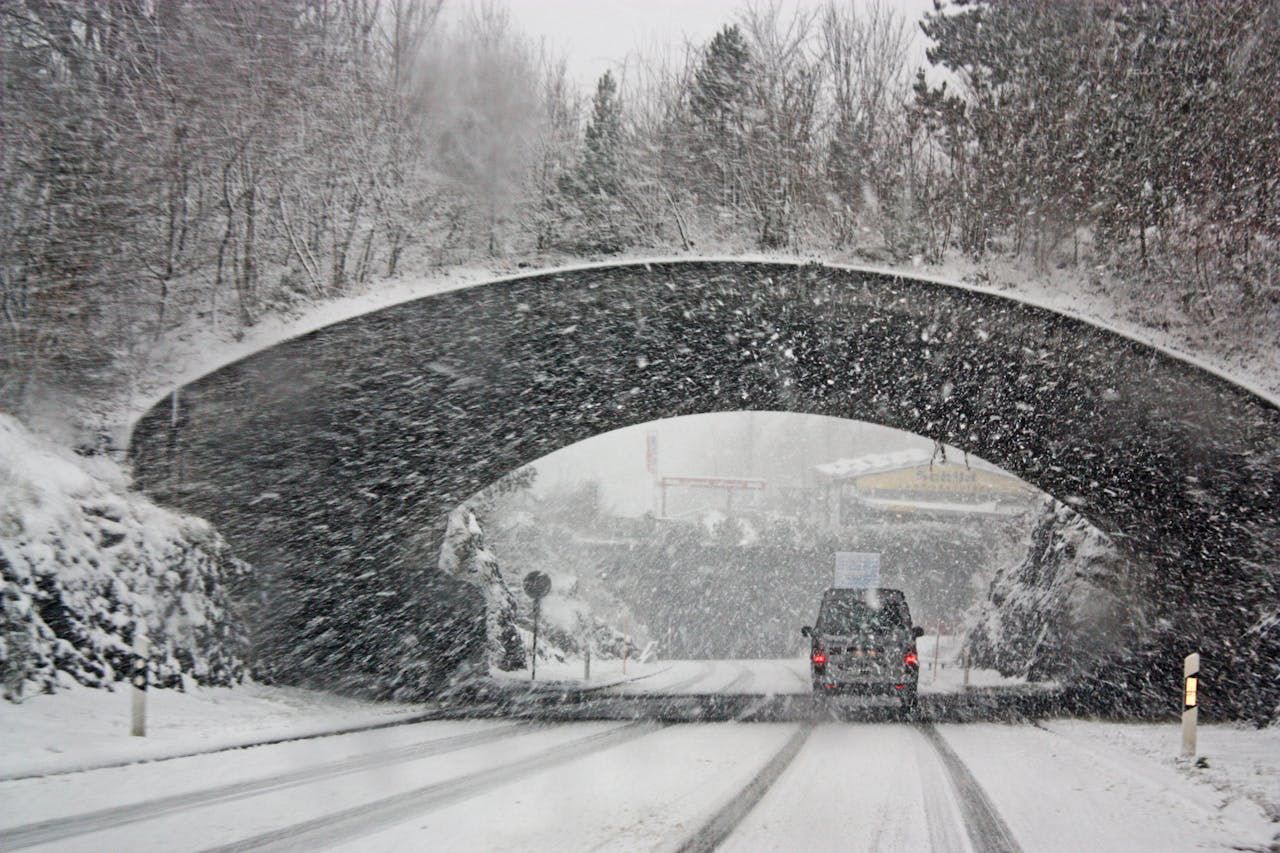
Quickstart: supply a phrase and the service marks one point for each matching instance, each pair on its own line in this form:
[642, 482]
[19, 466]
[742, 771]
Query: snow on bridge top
[199, 355]
[874, 463]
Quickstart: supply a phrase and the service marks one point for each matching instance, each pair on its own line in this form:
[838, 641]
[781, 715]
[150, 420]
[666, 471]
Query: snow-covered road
[819, 784]
[641, 785]
[783, 676]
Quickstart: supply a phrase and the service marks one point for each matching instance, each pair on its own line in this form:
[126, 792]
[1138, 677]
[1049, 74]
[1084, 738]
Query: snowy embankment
[80, 728]
[1241, 762]
[85, 564]
[1088, 785]
[567, 623]
[1068, 605]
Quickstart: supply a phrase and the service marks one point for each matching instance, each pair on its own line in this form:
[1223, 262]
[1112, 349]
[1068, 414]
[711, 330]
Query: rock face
[1068, 606]
[85, 563]
[463, 555]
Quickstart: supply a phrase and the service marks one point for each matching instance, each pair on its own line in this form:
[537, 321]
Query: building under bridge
[917, 483]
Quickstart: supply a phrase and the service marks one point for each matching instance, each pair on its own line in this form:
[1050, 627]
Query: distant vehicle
[864, 643]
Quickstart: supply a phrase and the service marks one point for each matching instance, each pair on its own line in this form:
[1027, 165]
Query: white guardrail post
[141, 651]
[1190, 704]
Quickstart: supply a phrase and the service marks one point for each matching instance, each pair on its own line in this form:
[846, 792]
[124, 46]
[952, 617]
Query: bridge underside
[324, 459]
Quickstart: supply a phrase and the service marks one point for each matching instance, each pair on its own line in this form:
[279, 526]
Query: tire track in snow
[940, 802]
[48, 831]
[803, 679]
[354, 822]
[706, 670]
[740, 682]
[718, 827]
[987, 830]
[703, 672]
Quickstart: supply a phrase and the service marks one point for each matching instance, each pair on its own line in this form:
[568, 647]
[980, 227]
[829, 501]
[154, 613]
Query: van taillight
[911, 659]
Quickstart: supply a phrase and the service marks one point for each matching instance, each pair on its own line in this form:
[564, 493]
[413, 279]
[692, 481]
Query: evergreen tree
[596, 189]
[717, 105]
[601, 167]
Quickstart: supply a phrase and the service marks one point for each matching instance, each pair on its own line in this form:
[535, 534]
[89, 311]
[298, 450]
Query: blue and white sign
[857, 570]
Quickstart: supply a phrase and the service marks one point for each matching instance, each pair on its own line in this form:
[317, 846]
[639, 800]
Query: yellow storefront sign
[942, 480]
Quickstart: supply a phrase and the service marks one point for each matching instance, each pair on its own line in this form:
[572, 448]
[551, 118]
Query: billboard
[857, 570]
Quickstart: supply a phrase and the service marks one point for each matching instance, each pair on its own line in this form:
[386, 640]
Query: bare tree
[864, 55]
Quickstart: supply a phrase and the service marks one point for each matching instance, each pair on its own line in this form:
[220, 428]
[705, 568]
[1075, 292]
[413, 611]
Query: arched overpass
[320, 457]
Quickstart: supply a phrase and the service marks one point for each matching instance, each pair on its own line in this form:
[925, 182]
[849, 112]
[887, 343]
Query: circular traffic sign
[537, 584]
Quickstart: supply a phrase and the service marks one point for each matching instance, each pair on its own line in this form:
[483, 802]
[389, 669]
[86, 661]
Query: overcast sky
[595, 35]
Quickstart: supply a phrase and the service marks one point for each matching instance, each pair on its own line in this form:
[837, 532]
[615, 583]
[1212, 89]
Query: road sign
[536, 586]
[857, 570]
[741, 483]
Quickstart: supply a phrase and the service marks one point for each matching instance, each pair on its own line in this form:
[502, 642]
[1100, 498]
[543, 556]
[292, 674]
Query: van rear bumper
[862, 688]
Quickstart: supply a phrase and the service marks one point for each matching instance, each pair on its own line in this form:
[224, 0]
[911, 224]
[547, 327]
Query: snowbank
[84, 561]
[566, 619]
[1241, 762]
[79, 728]
[463, 555]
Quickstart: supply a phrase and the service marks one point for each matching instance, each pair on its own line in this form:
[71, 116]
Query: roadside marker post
[141, 650]
[1190, 703]
[536, 586]
[533, 665]
[586, 661]
[937, 645]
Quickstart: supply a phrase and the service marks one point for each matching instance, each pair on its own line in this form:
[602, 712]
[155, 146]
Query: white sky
[595, 35]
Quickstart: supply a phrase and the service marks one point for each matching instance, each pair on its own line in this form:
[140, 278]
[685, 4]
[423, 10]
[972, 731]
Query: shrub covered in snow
[566, 621]
[463, 554]
[84, 562]
[1066, 606]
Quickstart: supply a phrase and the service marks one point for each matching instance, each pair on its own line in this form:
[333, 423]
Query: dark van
[864, 642]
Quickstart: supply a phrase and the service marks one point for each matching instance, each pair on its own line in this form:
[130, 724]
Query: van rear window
[852, 616]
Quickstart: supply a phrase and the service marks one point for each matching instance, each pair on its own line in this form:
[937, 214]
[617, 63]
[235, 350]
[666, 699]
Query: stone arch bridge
[330, 460]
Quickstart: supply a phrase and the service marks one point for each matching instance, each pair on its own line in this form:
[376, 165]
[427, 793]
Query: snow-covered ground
[571, 674]
[79, 727]
[1239, 761]
[1112, 786]
[501, 785]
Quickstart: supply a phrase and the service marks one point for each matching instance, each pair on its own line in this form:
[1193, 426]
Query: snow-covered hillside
[568, 623]
[84, 562]
[1062, 608]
